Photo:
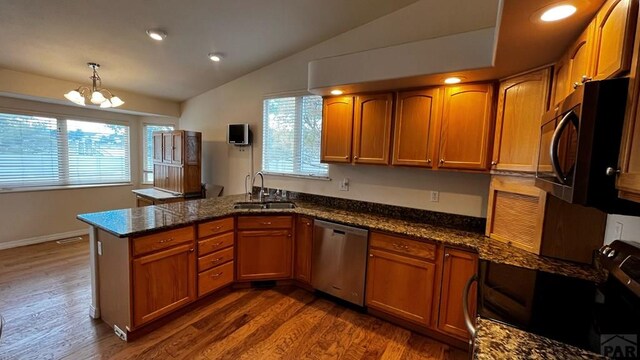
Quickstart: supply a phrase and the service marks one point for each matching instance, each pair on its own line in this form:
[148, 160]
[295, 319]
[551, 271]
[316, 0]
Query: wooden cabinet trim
[215, 227]
[215, 278]
[149, 243]
[215, 259]
[215, 243]
[402, 245]
[265, 222]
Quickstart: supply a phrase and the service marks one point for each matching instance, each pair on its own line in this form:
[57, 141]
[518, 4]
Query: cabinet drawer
[264, 222]
[149, 243]
[215, 243]
[404, 246]
[215, 259]
[215, 278]
[215, 227]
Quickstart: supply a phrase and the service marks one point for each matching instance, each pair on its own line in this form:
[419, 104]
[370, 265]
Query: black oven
[574, 311]
[580, 144]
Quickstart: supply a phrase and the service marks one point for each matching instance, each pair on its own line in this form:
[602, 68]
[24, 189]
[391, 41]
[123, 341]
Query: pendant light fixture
[95, 93]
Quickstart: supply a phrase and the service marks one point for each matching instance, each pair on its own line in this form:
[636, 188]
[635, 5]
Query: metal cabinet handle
[494, 163]
[165, 240]
[355, 157]
[612, 172]
[266, 223]
[216, 260]
[346, 157]
[441, 161]
[192, 250]
[401, 246]
[370, 255]
[218, 243]
[216, 275]
[447, 255]
[468, 321]
[217, 228]
[429, 161]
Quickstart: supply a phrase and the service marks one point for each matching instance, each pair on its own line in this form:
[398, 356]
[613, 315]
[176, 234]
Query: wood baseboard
[42, 239]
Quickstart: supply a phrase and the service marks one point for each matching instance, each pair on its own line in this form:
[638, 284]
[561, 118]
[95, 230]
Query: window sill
[62, 187]
[299, 176]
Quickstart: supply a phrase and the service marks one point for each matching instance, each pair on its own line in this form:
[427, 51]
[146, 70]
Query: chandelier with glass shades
[95, 93]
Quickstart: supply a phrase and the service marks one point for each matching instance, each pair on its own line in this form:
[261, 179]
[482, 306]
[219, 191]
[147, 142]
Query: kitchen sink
[264, 205]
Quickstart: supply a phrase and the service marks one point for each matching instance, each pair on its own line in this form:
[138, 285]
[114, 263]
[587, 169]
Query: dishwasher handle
[468, 321]
[340, 229]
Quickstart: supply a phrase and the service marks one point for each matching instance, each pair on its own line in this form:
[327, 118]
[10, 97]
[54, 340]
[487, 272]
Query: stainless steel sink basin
[264, 205]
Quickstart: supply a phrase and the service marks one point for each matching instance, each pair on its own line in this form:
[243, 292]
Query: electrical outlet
[99, 247]
[618, 231]
[435, 196]
[344, 185]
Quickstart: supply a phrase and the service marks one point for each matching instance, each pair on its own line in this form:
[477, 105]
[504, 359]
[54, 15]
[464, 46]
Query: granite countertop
[137, 221]
[495, 340]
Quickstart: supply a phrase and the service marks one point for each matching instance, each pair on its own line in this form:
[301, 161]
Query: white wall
[240, 101]
[630, 228]
[27, 216]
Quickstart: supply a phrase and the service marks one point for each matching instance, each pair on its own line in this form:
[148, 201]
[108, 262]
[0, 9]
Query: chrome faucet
[261, 195]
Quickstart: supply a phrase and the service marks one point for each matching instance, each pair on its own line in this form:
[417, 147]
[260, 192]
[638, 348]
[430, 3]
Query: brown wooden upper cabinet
[372, 129]
[579, 58]
[560, 80]
[613, 38]
[466, 127]
[337, 129]
[414, 137]
[522, 100]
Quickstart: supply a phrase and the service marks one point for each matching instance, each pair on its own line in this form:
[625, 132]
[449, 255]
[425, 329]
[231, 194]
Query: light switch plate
[344, 184]
[618, 231]
[435, 196]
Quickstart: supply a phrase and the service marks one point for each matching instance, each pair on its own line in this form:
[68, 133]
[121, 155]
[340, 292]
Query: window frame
[61, 118]
[298, 95]
[143, 147]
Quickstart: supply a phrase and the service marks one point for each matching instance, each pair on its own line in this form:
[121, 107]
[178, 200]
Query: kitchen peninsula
[135, 238]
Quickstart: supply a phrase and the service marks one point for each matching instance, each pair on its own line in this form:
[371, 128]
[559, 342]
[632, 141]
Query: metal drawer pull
[216, 275]
[218, 243]
[217, 228]
[400, 246]
[165, 240]
[266, 223]
[216, 260]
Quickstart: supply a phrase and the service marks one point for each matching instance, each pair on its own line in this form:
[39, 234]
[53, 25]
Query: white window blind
[42, 151]
[147, 150]
[291, 136]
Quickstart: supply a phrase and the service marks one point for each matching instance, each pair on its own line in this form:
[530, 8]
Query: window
[44, 151]
[147, 150]
[292, 129]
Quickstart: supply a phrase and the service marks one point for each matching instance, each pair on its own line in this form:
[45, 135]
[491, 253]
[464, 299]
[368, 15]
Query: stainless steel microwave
[580, 144]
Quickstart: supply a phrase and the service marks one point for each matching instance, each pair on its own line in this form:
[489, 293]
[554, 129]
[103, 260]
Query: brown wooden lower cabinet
[162, 282]
[458, 267]
[303, 248]
[216, 241]
[400, 285]
[264, 254]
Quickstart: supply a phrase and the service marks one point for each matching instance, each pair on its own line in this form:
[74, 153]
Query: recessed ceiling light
[157, 35]
[336, 92]
[215, 57]
[452, 80]
[558, 12]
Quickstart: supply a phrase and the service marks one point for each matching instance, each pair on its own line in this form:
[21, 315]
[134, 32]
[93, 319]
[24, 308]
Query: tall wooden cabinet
[372, 129]
[415, 130]
[466, 127]
[613, 38]
[177, 161]
[522, 100]
[458, 267]
[337, 129]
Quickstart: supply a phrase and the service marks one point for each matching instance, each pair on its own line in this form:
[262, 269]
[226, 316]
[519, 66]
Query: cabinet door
[580, 56]
[400, 286]
[264, 255]
[560, 81]
[614, 32]
[177, 148]
[157, 147]
[458, 267]
[372, 129]
[417, 113]
[521, 103]
[167, 147]
[304, 241]
[162, 282]
[466, 129]
[628, 182]
[337, 129]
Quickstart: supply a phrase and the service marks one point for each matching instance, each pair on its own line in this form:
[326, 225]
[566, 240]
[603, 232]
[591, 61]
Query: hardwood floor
[45, 296]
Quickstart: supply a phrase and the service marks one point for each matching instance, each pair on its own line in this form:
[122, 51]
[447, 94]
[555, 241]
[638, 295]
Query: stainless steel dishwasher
[339, 260]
